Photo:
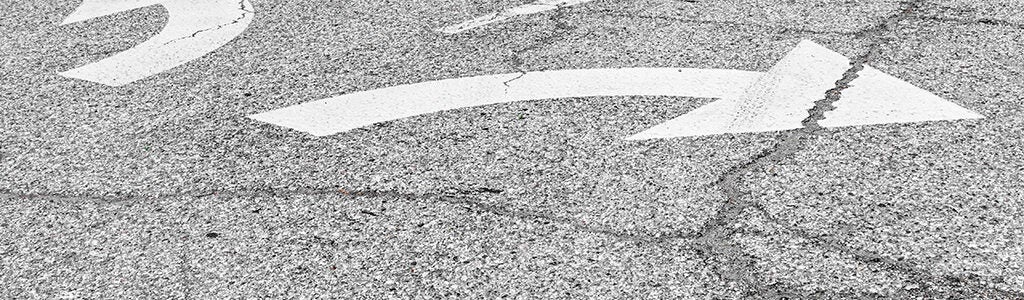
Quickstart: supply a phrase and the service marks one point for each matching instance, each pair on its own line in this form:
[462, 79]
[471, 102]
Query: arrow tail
[194, 28]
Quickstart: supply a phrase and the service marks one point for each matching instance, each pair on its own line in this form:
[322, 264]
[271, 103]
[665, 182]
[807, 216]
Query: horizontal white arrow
[194, 28]
[750, 101]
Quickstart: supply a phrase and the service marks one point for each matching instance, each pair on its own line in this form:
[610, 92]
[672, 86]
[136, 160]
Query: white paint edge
[347, 112]
[526, 9]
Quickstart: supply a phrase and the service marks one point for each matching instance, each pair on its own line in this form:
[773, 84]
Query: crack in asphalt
[784, 29]
[715, 236]
[982, 21]
[242, 7]
[561, 29]
[464, 198]
[714, 239]
[779, 29]
[455, 197]
[941, 9]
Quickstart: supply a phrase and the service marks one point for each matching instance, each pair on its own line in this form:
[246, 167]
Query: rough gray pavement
[164, 189]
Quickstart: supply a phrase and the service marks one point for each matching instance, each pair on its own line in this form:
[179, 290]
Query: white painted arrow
[194, 28]
[525, 9]
[750, 101]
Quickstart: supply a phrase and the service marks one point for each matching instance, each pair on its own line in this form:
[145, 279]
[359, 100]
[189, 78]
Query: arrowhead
[878, 98]
[97, 8]
[781, 98]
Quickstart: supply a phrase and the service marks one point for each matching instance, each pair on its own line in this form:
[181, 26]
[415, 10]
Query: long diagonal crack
[715, 238]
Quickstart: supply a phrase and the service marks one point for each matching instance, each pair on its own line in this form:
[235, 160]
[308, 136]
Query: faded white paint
[525, 9]
[194, 28]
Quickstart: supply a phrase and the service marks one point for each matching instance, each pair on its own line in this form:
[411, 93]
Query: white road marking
[750, 101]
[346, 112]
[194, 28]
[526, 9]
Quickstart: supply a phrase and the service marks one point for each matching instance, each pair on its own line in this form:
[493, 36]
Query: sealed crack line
[242, 7]
[715, 237]
[777, 29]
[460, 198]
[980, 21]
[928, 286]
[561, 29]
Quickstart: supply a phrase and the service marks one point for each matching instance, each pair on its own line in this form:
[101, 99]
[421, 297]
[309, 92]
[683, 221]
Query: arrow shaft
[346, 112]
[194, 28]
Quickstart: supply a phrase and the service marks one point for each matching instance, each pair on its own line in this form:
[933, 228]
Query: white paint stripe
[526, 9]
[194, 28]
[343, 113]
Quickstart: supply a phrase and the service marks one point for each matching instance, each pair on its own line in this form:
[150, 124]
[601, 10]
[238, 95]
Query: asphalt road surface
[164, 187]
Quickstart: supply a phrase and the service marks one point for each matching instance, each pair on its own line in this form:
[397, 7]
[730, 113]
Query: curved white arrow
[194, 28]
[750, 101]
